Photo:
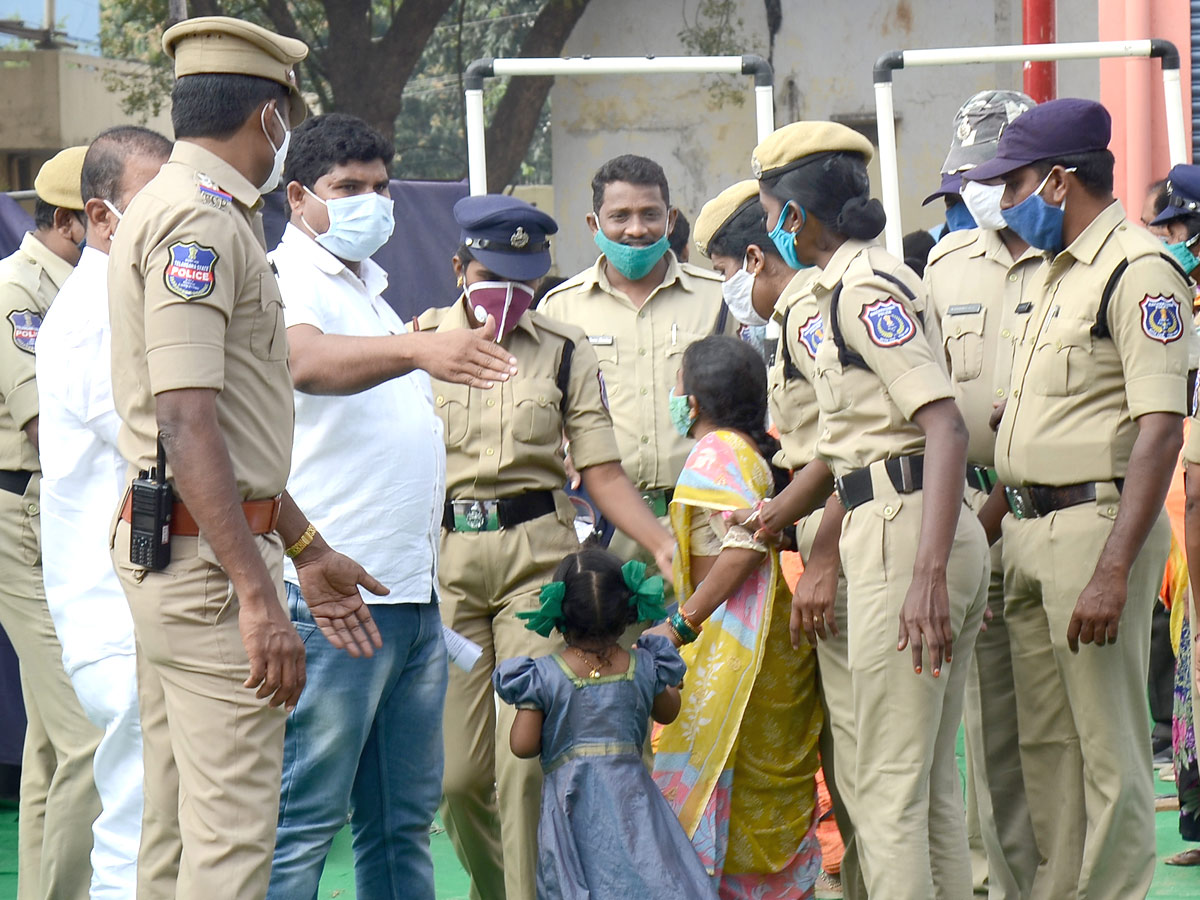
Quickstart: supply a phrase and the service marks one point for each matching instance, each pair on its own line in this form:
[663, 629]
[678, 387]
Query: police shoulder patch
[888, 323]
[1161, 318]
[25, 325]
[191, 272]
[812, 332]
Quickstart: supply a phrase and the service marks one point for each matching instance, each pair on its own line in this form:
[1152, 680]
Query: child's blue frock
[605, 833]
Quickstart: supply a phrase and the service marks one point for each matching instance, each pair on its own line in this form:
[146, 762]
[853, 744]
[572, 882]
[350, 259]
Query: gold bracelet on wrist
[302, 542]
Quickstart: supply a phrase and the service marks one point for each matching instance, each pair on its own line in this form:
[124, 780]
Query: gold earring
[460, 281]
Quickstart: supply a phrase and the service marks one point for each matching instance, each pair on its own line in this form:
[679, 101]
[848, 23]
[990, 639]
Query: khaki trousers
[995, 785]
[491, 800]
[213, 752]
[912, 833]
[1084, 723]
[838, 737]
[58, 796]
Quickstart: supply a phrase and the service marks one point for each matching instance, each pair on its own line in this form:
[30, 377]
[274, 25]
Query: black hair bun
[861, 218]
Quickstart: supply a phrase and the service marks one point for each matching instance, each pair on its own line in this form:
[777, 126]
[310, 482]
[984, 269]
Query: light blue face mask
[682, 416]
[634, 263]
[1182, 254]
[358, 225]
[785, 241]
[959, 218]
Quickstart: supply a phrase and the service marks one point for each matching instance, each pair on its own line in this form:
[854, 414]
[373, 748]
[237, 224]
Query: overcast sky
[79, 18]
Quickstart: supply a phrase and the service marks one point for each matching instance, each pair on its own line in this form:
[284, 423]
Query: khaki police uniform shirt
[1075, 396]
[976, 291]
[505, 441]
[790, 395]
[640, 352]
[29, 281]
[194, 304]
[866, 413]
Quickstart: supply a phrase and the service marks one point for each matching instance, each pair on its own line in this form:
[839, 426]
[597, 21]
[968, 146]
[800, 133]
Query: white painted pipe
[620, 65]
[764, 110]
[476, 153]
[888, 169]
[951, 56]
[1173, 94]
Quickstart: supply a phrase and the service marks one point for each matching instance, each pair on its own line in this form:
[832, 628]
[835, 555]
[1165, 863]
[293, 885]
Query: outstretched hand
[469, 356]
[329, 582]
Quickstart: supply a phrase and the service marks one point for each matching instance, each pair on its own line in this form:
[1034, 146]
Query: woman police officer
[507, 522]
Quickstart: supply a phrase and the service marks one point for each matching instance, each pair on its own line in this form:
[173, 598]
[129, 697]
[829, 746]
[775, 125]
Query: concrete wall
[824, 55]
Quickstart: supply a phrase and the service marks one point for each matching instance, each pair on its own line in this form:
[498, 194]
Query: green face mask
[632, 262]
[682, 416]
[1182, 253]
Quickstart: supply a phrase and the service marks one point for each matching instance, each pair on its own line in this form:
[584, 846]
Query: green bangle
[686, 632]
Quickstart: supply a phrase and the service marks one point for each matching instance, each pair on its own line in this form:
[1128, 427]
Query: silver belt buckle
[839, 487]
[1020, 501]
[907, 485]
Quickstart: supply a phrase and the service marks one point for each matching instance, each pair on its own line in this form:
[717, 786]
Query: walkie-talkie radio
[151, 500]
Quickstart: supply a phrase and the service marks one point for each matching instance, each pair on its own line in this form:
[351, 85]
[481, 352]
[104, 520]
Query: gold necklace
[602, 659]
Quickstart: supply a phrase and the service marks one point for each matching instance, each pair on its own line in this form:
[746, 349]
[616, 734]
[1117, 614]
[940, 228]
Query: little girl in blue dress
[606, 833]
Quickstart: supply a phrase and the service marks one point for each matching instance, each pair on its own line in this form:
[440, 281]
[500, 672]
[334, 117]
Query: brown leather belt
[1037, 500]
[261, 515]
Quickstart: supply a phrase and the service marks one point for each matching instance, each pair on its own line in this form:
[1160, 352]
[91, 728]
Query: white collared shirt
[83, 474]
[369, 469]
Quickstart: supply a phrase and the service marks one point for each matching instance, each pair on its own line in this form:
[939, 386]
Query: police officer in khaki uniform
[200, 370]
[640, 308]
[915, 568]
[1088, 439]
[58, 796]
[731, 232]
[976, 281]
[508, 523]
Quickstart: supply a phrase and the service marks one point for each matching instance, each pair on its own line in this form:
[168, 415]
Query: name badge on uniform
[1161, 319]
[1024, 308]
[888, 323]
[964, 309]
[601, 340]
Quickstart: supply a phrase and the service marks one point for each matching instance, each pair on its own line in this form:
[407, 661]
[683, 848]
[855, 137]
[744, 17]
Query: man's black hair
[749, 226]
[43, 215]
[323, 142]
[917, 245]
[1094, 169]
[104, 164]
[632, 170]
[678, 238]
[216, 106]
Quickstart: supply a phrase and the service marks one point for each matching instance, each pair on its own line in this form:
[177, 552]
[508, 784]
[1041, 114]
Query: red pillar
[1038, 27]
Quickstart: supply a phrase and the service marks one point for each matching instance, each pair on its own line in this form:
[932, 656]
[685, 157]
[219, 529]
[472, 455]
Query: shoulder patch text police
[25, 326]
[1161, 319]
[812, 332]
[191, 270]
[888, 323]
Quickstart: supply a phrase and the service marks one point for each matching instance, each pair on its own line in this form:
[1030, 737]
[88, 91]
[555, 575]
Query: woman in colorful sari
[738, 766]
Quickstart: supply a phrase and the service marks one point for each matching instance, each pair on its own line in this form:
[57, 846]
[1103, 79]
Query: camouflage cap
[978, 125]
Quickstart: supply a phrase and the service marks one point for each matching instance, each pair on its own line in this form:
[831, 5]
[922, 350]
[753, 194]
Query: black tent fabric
[417, 258]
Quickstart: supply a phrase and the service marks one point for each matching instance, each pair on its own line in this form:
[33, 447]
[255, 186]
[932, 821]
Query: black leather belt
[982, 478]
[14, 482]
[492, 515]
[905, 472]
[1037, 500]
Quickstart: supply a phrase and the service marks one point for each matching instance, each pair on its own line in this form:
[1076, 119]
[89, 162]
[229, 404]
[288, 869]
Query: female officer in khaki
[895, 441]
[508, 524]
[731, 232]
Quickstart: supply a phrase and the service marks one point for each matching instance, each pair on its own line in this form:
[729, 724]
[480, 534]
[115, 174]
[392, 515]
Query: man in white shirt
[83, 477]
[368, 464]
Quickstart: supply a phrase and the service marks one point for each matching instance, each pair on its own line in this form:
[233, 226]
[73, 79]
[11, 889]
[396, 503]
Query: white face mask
[738, 291]
[358, 225]
[272, 181]
[983, 200]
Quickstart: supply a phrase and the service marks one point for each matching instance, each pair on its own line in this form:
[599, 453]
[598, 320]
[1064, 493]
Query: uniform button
[1000, 392]
[1006, 333]
[32, 509]
[644, 392]
[440, 399]
[641, 351]
[1012, 276]
[1112, 511]
[1017, 392]
[490, 452]
[541, 399]
[645, 439]
[491, 402]
[887, 510]
[1058, 345]
[958, 332]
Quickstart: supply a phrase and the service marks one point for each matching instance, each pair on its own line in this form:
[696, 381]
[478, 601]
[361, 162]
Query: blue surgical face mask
[785, 241]
[1182, 254]
[634, 263]
[358, 225]
[1036, 222]
[682, 416]
[959, 218]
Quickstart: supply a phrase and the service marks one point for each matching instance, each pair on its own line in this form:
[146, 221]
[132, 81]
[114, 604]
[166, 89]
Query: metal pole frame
[477, 71]
[908, 59]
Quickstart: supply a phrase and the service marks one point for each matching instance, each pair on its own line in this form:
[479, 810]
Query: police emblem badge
[1161, 320]
[519, 239]
[812, 332]
[25, 326]
[888, 323]
[191, 272]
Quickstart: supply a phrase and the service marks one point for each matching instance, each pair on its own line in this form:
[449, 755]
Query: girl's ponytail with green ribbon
[549, 616]
[647, 596]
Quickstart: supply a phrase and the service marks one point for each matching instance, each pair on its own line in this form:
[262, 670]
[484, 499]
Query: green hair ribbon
[647, 596]
[546, 618]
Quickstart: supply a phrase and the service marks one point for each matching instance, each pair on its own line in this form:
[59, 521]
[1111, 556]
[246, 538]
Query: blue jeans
[365, 740]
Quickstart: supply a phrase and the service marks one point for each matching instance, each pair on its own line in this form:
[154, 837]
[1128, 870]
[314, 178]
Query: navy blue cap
[506, 235]
[1053, 129]
[951, 185]
[1183, 194]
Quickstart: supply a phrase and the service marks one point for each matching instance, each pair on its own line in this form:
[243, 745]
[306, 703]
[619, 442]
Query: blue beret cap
[1051, 130]
[1183, 194]
[506, 235]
